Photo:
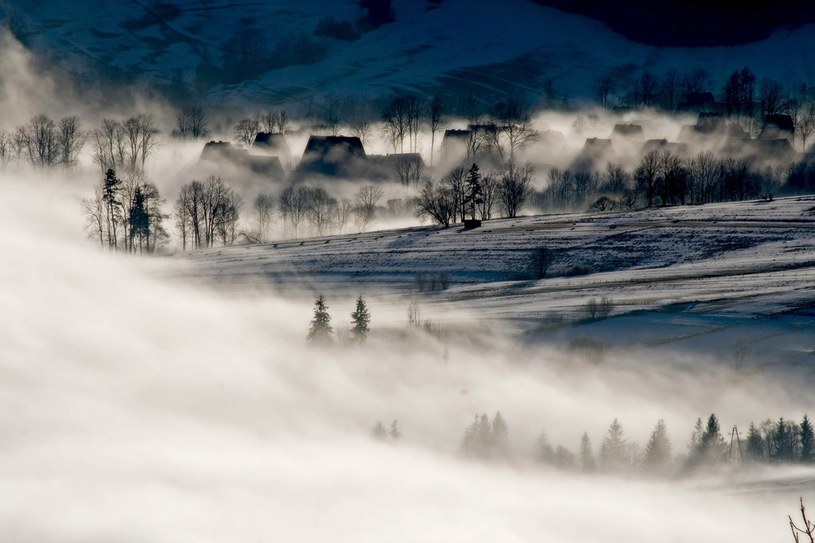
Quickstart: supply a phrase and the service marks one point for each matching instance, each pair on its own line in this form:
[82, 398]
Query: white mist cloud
[134, 408]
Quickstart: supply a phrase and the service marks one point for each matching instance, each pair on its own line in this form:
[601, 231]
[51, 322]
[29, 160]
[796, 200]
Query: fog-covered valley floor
[140, 406]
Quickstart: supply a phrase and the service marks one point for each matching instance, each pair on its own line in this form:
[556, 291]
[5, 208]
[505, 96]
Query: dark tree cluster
[207, 213]
[466, 193]
[782, 441]
[662, 178]
[125, 145]
[125, 215]
[43, 143]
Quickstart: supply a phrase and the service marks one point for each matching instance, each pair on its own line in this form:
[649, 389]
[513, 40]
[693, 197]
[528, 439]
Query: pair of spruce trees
[322, 333]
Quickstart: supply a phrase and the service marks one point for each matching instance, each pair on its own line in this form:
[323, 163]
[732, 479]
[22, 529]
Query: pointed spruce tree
[378, 432]
[543, 452]
[614, 450]
[395, 434]
[755, 450]
[807, 454]
[110, 196]
[360, 319]
[320, 332]
[711, 444]
[658, 450]
[587, 463]
[473, 192]
[500, 436]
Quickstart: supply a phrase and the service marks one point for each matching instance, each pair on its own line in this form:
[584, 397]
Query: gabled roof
[332, 155]
[627, 130]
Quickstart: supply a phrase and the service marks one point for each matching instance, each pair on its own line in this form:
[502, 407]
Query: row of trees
[781, 441]
[44, 143]
[206, 213]
[663, 178]
[461, 194]
[125, 214]
[321, 332]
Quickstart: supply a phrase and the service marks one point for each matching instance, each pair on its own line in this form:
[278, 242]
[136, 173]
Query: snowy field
[718, 278]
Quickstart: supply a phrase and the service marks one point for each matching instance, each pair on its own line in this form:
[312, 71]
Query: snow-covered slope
[478, 46]
[703, 278]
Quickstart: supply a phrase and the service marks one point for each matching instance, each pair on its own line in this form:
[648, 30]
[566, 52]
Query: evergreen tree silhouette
[587, 463]
[360, 319]
[321, 332]
[658, 449]
[473, 193]
[807, 444]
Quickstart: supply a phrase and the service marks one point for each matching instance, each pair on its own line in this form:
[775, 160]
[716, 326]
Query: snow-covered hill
[469, 46]
[694, 278]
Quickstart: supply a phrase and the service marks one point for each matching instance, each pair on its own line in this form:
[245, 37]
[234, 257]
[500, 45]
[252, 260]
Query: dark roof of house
[664, 145]
[333, 148]
[219, 150]
[627, 130]
[597, 143]
[455, 134]
[595, 154]
[221, 153]
[332, 155]
[271, 140]
[780, 122]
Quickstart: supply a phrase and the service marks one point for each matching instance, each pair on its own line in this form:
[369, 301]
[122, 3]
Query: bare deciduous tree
[409, 169]
[293, 205]
[436, 202]
[603, 88]
[192, 123]
[367, 198]
[322, 209]
[396, 122]
[245, 131]
[207, 212]
[455, 182]
[514, 125]
[41, 143]
[263, 205]
[70, 140]
[435, 120]
[805, 123]
[515, 188]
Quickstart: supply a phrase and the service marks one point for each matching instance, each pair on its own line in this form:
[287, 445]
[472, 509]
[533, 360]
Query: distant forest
[692, 23]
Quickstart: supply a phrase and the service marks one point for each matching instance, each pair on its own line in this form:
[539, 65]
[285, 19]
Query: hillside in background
[693, 23]
[233, 52]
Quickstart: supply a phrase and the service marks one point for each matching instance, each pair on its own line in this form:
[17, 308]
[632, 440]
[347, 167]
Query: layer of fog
[137, 410]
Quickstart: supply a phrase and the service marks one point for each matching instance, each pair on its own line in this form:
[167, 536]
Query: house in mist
[455, 145]
[223, 158]
[478, 143]
[407, 168]
[594, 156]
[773, 153]
[333, 156]
[272, 144]
[777, 127]
[664, 146]
[712, 131]
[627, 131]
[627, 138]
